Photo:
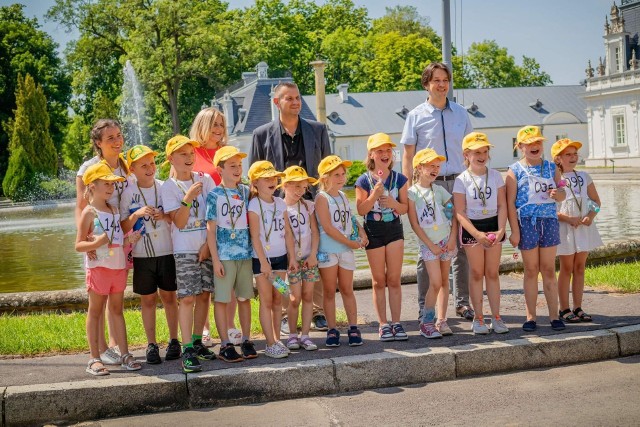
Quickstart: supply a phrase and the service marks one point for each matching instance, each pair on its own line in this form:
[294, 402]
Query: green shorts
[237, 276]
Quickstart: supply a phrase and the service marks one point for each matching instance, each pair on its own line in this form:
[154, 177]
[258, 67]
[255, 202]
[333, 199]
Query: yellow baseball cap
[329, 163]
[263, 169]
[100, 170]
[475, 140]
[378, 140]
[178, 142]
[225, 153]
[426, 155]
[529, 135]
[560, 145]
[297, 173]
[137, 152]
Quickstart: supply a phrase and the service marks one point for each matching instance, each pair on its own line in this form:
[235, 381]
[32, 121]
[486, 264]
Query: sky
[562, 35]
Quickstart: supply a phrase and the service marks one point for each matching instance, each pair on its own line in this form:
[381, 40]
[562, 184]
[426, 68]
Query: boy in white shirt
[154, 269]
[184, 197]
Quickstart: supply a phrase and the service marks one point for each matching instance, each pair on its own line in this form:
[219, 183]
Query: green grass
[47, 333]
[621, 277]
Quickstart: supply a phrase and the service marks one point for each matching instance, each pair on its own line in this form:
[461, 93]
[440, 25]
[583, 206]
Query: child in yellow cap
[437, 238]
[230, 245]
[481, 209]
[273, 251]
[154, 269]
[184, 196]
[381, 198]
[578, 232]
[532, 193]
[304, 227]
[340, 234]
[106, 273]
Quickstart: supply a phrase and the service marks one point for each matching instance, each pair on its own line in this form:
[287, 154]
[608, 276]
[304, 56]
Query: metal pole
[446, 41]
[321, 109]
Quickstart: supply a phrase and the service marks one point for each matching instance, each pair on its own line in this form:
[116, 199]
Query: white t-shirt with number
[271, 218]
[301, 226]
[429, 205]
[189, 239]
[157, 239]
[464, 184]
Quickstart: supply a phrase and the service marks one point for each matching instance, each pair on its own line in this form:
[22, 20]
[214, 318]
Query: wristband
[183, 203]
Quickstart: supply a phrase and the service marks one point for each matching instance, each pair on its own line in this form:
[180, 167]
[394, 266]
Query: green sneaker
[190, 362]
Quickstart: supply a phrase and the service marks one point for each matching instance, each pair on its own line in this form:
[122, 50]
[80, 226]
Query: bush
[355, 170]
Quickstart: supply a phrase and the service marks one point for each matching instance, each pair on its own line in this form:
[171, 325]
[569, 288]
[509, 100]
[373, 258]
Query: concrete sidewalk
[56, 389]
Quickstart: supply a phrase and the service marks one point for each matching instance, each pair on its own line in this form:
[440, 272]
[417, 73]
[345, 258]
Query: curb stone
[89, 400]
[628, 339]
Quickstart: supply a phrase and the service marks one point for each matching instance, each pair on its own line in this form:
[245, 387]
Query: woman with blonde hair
[209, 128]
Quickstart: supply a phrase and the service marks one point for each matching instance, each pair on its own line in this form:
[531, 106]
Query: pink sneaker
[428, 330]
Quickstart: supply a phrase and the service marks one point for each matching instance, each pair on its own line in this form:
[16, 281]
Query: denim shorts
[543, 232]
[278, 263]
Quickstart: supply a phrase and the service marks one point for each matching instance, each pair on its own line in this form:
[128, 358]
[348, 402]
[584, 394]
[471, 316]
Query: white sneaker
[498, 326]
[284, 327]
[479, 328]
[111, 356]
[235, 336]
[275, 351]
[443, 327]
[281, 344]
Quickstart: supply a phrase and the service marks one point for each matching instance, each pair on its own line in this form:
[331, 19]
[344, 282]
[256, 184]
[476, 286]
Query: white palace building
[612, 94]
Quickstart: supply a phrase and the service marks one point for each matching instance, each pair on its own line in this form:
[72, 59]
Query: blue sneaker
[355, 338]
[333, 338]
[557, 325]
[529, 326]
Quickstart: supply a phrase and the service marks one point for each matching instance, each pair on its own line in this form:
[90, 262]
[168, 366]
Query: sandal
[466, 312]
[568, 316]
[96, 371]
[129, 363]
[580, 314]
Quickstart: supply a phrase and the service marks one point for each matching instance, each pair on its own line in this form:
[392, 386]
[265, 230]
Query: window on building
[618, 59]
[515, 149]
[619, 130]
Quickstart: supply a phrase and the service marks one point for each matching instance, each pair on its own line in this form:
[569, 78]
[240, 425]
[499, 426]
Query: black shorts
[279, 263]
[485, 225]
[151, 274]
[382, 233]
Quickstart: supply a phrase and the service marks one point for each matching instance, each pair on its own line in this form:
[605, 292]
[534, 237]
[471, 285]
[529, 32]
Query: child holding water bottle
[106, 273]
[578, 233]
[481, 209]
[337, 240]
[273, 253]
[437, 237]
[532, 193]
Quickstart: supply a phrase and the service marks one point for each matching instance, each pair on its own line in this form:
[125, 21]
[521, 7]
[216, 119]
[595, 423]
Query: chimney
[261, 69]
[342, 91]
[321, 108]
[227, 109]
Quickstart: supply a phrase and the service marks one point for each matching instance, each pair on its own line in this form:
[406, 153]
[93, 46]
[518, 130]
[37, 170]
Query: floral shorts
[304, 274]
[427, 255]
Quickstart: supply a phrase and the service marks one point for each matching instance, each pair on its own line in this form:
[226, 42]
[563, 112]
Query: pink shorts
[106, 281]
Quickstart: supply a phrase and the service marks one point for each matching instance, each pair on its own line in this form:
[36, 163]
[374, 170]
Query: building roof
[369, 112]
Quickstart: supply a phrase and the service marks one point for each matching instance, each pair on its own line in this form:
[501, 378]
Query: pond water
[38, 247]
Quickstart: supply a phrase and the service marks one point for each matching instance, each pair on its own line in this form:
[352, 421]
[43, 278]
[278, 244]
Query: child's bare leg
[394, 254]
[201, 312]
[564, 279]
[148, 309]
[185, 318]
[443, 298]
[170, 303]
[329, 277]
[307, 306]
[549, 283]
[94, 314]
[345, 285]
[531, 259]
[266, 307]
[577, 286]
[492, 278]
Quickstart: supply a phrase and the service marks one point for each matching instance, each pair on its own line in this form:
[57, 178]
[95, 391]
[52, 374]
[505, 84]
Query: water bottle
[97, 227]
[448, 210]
[593, 206]
[280, 284]
[139, 225]
[355, 235]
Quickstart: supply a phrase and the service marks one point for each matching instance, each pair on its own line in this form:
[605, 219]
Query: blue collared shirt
[443, 130]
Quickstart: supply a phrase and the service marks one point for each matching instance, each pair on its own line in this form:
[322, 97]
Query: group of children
[192, 238]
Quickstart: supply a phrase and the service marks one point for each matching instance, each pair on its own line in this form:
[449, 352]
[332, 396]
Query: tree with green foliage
[25, 48]
[30, 146]
[489, 65]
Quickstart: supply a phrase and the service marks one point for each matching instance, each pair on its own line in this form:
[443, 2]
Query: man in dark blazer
[287, 141]
[290, 140]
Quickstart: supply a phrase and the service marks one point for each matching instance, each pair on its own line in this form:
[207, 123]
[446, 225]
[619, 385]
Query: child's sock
[186, 346]
[293, 336]
[302, 338]
[428, 314]
[497, 317]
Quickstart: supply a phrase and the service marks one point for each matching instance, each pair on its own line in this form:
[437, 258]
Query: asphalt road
[595, 394]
